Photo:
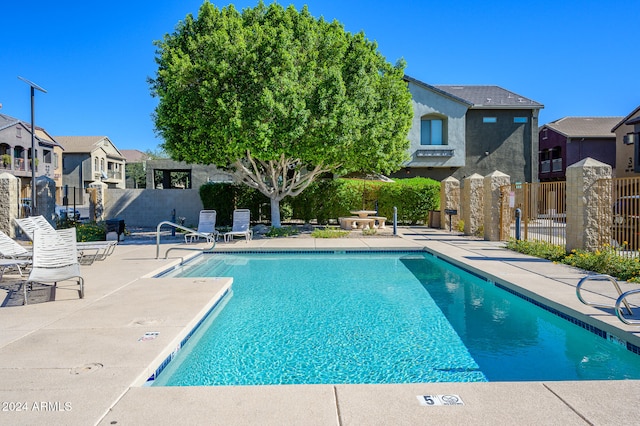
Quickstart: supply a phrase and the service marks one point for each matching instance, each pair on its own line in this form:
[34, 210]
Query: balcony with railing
[551, 166]
[110, 175]
[19, 164]
[545, 166]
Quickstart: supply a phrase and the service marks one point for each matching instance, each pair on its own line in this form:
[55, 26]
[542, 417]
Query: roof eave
[439, 91]
[535, 106]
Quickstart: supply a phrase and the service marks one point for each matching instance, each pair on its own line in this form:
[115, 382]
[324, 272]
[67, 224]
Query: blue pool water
[379, 318]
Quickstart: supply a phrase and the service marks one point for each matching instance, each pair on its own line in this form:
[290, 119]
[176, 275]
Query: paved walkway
[80, 362]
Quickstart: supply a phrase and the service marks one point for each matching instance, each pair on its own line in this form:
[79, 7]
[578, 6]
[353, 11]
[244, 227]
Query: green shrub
[369, 231]
[605, 261]
[284, 231]
[91, 231]
[329, 199]
[329, 233]
[540, 249]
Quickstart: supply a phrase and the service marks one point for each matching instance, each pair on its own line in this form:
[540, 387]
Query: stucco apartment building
[89, 159]
[16, 156]
[459, 130]
[566, 141]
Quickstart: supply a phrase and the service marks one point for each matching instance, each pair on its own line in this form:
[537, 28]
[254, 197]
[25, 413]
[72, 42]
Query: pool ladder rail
[621, 300]
[184, 228]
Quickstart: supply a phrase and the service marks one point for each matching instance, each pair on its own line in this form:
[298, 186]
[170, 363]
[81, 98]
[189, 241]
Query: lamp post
[33, 143]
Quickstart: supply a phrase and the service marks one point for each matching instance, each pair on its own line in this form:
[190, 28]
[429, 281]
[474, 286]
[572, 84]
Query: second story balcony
[551, 166]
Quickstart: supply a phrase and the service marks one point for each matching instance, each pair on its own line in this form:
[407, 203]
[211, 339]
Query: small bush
[329, 233]
[91, 231]
[285, 231]
[541, 249]
[369, 231]
[605, 261]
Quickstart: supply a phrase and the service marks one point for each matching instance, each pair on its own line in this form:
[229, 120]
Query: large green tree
[278, 97]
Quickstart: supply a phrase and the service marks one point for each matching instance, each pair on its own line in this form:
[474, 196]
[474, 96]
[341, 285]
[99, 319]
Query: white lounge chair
[13, 255]
[55, 259]
[88, 251]
[10, 249]
[241, 222]
[206, 228]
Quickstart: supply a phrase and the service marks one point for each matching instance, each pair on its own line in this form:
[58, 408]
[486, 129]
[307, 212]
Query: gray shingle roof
[489, 96]
[627, 119]
[87, 144]
[585, 127]
[6, 121]
[40, 133]
[134, 155]
[79, 144]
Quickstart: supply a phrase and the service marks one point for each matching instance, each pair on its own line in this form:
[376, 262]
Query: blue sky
[576, 57]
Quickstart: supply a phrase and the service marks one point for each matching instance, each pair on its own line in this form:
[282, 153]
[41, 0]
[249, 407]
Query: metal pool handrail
[621, 298]
[175, 225]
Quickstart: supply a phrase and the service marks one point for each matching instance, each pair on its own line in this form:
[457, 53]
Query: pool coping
[623, 338]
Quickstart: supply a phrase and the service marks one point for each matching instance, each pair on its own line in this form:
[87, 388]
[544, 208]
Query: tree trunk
[275, 213]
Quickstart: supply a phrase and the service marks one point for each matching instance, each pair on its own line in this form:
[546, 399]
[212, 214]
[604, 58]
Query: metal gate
[619, 214]
[542, 212]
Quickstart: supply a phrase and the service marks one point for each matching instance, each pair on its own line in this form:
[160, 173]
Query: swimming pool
[381, 317]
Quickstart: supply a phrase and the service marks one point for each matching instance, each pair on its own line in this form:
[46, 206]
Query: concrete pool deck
[80, 362]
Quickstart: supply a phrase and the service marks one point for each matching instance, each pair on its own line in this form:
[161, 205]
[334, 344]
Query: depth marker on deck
[433, 400]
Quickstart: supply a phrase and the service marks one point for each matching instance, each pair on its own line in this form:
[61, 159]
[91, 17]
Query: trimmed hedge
[328, 199]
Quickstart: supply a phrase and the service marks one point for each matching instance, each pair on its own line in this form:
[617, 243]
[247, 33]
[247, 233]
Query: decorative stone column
[472, 200]
[9, 202]
[97, 200]
[494, 204]
[584, 195]
[449, 200]
[46, 198]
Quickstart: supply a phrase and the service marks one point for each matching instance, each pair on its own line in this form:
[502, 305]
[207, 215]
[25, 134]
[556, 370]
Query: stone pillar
[584, 196]
[97, 201]
[449, 200]
[472, 199]
[46, 199]
[9, 202]
[493, 204]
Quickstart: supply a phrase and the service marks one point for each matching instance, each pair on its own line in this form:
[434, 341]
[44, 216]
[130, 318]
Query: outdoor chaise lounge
[10, 249]
[55, 259]
[241, 221]
[12, 254]
[206, 228]
[88, 251]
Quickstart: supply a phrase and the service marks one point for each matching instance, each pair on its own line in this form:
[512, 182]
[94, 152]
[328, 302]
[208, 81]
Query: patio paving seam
[572, 408]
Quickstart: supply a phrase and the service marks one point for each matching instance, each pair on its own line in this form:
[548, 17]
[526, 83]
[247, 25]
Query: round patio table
[363, 213]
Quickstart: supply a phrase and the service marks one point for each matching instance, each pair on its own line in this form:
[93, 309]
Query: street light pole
[33, 143]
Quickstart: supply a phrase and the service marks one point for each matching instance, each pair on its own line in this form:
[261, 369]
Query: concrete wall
[148, 207]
